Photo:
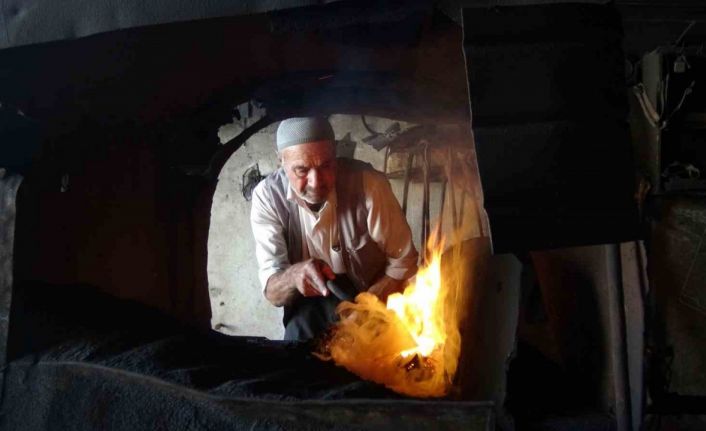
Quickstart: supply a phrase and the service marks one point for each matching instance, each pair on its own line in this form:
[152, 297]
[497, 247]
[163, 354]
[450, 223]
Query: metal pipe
[618, 335]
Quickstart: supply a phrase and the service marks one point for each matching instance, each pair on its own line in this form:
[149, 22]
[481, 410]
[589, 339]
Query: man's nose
[314, 177]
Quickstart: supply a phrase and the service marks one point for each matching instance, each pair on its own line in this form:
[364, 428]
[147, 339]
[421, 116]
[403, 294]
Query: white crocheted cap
[296, 131]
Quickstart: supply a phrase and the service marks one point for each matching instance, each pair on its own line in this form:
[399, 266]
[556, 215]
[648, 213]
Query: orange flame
[412, 344]
[420, 311]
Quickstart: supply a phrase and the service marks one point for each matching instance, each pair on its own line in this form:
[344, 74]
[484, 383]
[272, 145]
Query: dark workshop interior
[566, 139]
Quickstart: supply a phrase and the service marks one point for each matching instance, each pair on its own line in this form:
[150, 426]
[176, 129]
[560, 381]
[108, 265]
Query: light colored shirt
[387, 226]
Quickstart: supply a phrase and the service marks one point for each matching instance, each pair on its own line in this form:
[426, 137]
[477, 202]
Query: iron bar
[407, 171]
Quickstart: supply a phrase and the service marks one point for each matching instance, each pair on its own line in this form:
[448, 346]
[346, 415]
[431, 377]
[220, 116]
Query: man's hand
[386, 286]
[307, 278]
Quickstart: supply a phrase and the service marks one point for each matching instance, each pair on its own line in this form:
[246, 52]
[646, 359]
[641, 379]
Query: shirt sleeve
[388, 226]
[270, 243]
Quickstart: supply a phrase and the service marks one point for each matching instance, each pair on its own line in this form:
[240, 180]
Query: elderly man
[318, 217]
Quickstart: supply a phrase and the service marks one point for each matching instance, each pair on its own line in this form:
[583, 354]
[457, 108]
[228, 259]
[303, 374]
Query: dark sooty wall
[113, 215]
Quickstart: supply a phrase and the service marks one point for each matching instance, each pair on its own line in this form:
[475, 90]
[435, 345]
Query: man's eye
[300, 172]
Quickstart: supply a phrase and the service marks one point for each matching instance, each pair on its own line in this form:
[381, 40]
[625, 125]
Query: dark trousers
[309, 317]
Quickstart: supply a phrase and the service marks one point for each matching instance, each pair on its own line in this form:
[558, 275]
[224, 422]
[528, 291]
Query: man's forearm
[306, 278]
[280, 289]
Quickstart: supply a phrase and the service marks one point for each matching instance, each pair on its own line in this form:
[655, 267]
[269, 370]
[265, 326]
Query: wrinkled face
[311, 170]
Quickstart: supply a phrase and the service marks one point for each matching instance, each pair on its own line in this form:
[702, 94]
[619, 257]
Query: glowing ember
[412, 344]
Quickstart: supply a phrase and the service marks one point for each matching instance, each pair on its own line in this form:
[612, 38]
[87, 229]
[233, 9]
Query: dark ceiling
[136, 68]
[185, 67]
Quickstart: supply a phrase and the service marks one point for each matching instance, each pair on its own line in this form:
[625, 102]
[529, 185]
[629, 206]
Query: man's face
[311, 170]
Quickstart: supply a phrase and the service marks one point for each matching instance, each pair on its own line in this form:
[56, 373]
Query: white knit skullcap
[296, 131]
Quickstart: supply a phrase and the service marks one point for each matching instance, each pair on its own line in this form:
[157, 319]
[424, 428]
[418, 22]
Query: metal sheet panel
[549, 106]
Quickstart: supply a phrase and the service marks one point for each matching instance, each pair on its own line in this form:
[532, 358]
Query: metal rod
[449, 178]
[425, 203]
[407, 170]
[461, 207]
[387, 155]
[440, 225]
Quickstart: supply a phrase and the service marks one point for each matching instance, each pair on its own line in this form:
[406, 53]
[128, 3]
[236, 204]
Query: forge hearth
[137, 367]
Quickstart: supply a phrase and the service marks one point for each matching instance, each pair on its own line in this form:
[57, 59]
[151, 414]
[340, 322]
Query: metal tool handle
[339, 291]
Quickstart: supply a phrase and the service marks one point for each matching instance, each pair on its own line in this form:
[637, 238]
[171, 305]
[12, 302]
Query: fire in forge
[412, 343]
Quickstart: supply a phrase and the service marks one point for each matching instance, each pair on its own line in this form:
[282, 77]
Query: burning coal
[412, 343]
